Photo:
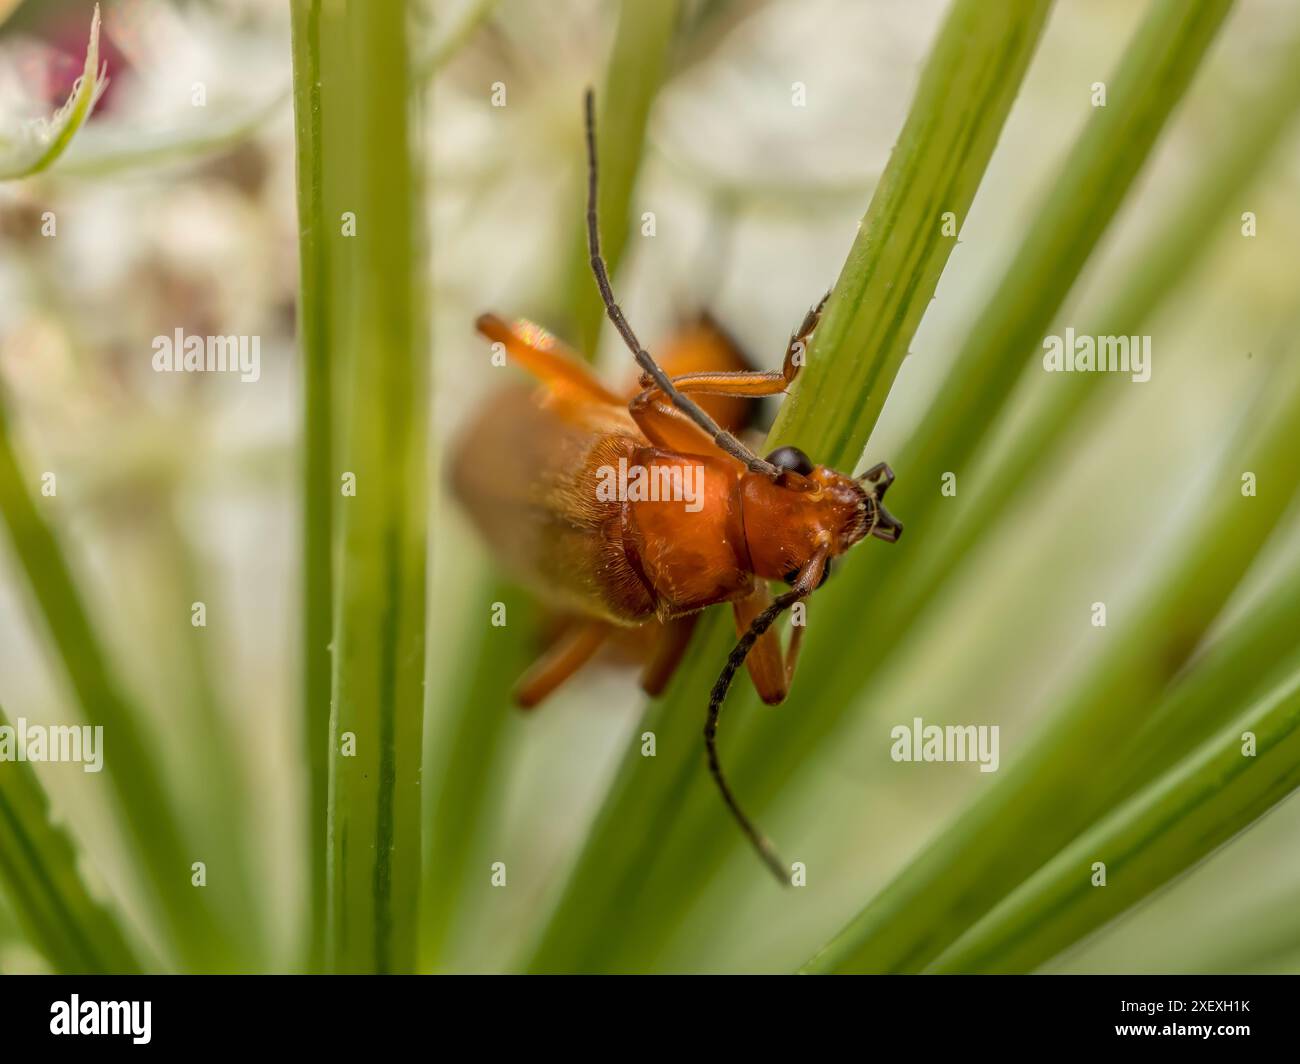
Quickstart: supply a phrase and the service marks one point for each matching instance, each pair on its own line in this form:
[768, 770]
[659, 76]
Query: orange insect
[632, 517]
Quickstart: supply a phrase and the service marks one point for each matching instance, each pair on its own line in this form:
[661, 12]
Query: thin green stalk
[1092, 183]
[376, 717]
[903, 244]
[1203, 697]
[38, 871]
[1184, 815]
[160, 843]
[103, 152]
[222, 816]
[318, 458]
[468, 769]
[1166, 257]
[1019, 824]
[972, 76]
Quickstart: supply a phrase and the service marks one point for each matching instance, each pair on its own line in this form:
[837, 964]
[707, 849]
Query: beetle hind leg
[669, 649]
[569, 653]
[540, 354]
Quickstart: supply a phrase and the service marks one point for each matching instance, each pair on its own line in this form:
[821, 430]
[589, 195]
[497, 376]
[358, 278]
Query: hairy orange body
[533, 472]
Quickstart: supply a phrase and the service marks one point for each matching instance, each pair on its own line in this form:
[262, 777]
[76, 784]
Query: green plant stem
[220, 822]
[376, 717]
[38, 870]
[1166, 257]
[319, 483]
[970, 80]
[1202, 698]
[1032, 810]
[1180, 818]
[103, 152]
[1092, 183]
[467, 772]
[904, 242]
[159, 841]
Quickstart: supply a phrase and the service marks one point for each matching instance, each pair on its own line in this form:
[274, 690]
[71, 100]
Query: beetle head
[811, 509]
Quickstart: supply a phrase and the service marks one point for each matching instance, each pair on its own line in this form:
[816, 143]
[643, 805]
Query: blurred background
[179, 488]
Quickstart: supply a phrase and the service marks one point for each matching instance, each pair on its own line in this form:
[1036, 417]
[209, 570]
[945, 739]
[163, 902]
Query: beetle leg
[561, 660]
[703, 347]
[811, 319]
[536, 351]
[768, 668]
[746, 383]
[799, 341]
[773, 674]
[667, 427]
[792, 653]
[669, 649]
[752, 383]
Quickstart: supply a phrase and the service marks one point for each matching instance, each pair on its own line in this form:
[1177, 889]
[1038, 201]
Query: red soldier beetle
[531, 471]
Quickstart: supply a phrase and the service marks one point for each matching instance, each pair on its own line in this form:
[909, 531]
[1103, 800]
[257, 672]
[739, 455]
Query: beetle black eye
[793, 575]
[791, 459]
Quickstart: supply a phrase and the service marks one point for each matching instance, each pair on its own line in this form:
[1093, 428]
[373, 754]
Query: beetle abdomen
[530, 481]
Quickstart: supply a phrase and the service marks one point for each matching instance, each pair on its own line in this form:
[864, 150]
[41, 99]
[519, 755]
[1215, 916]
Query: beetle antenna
[723, 439]
[735, 659]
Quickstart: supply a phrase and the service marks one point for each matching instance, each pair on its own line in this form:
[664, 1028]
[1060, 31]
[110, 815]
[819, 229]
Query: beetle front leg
[752, 384]
[798, 346]
[771, 671]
